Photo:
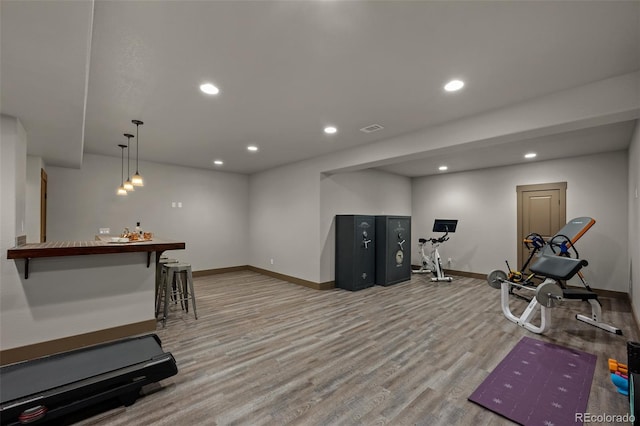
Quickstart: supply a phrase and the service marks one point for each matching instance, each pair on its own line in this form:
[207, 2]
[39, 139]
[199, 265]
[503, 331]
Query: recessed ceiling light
[330, 130]
[530, 155]
[252, 148]
[209, 89]
[454, 85]
[218, 162]
[443, 168]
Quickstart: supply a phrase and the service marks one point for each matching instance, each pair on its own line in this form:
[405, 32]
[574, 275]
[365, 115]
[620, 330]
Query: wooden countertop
[78, 248]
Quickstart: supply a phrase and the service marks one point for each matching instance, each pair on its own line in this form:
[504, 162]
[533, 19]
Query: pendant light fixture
[127, 184]
[121, 190]
[136, 180]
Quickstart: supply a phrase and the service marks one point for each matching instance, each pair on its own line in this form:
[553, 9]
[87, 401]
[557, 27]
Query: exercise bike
[432, 263]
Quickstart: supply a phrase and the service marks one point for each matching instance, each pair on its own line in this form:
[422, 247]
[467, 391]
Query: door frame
[520, 190]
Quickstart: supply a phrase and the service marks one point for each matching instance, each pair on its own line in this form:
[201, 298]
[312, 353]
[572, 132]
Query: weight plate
[547, 294]
[496, 277]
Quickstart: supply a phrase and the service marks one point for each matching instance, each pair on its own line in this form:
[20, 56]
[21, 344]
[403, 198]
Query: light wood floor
[267, 352]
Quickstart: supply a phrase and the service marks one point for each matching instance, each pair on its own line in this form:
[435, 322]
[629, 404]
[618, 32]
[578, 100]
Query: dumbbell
[547, 293]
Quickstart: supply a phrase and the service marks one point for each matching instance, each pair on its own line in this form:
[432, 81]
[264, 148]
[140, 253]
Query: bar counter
[80, 248]
[77, 248]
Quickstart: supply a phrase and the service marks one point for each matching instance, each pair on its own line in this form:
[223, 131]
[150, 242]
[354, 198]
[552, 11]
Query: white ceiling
[44, 50]
[286, 69]
[560, 145]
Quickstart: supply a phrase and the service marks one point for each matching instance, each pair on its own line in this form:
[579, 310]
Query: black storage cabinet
[633, 363]
[393, 249]
[355, 251]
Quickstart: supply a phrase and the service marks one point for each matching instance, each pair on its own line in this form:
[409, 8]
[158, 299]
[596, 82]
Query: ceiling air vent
[372, 128]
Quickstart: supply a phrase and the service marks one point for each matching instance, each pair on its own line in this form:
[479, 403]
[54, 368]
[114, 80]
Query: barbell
[547, 293]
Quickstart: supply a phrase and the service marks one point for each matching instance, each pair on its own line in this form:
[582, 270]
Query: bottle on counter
[138, 229]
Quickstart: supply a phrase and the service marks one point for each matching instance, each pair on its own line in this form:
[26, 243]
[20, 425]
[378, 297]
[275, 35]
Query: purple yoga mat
[539, 383]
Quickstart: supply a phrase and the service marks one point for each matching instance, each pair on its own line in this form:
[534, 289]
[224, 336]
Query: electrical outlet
[105, 231]
[179, 204]
[449, 260]
[173, 204]
[271, 261]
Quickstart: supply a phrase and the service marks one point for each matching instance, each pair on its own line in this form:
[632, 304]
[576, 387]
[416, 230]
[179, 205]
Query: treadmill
[51, 387]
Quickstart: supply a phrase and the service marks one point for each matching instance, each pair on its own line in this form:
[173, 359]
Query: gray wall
[485, 203]
[13, 166]
[14, 306]
[283, 220]
[212, 221]
[32, 218]
[634, 220]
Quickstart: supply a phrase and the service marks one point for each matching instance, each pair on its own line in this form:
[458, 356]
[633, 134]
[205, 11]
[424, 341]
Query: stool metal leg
[174, 288]
[183, 288]
[178, 288]
[158, 279]
[168, 289]
[160, 292]
[193, 294]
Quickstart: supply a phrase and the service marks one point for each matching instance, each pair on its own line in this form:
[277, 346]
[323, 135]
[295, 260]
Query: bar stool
[177, 280]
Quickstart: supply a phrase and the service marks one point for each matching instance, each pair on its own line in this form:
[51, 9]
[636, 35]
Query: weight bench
[549, 293]
[559, 268]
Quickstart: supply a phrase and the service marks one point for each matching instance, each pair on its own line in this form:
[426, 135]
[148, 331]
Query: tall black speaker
[355, 252]
[393, 249]
[634, 397]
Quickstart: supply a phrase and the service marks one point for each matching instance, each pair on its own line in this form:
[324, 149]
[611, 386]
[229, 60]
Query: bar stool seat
[177, 280]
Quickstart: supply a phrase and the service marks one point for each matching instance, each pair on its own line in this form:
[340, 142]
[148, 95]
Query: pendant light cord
[137, 147]
[128, 158]
[138, 123]
[121, 165]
